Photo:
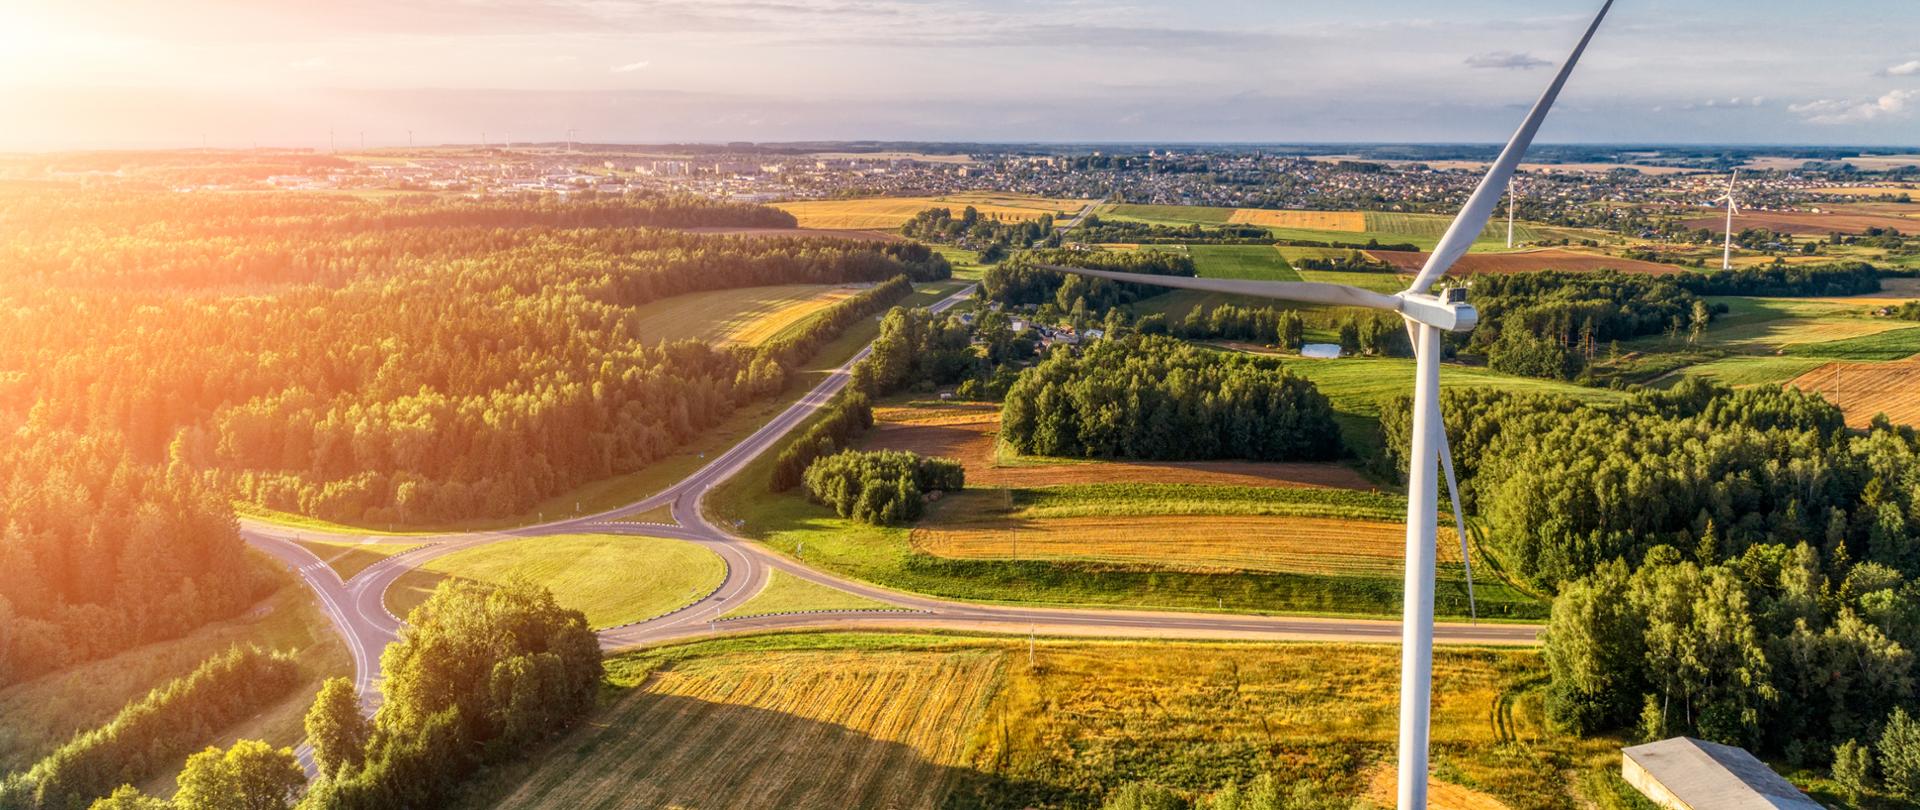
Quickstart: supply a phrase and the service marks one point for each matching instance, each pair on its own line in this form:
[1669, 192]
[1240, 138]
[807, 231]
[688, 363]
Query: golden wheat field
[1865, 389]
[889, 213]
[764, 326]
[879, 721]
[1352, 221]
[823, 729]
[1332, 546]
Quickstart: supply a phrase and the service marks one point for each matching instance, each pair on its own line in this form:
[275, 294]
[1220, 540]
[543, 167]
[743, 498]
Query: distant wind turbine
[1733, 207]
[1426, 316]
[1513, 199]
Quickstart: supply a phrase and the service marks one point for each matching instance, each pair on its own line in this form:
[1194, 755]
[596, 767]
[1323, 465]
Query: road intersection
[358, 609]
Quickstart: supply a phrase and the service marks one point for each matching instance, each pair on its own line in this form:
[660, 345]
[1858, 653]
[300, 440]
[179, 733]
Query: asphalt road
[357, 607]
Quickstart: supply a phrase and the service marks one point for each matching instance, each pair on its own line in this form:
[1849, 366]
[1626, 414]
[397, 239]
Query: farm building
[1683, 773]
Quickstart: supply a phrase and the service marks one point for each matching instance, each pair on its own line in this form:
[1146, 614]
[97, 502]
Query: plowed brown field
[966, 431]
[1206, 544]
[1805, 223]
[1525, 261]
[1865, 389]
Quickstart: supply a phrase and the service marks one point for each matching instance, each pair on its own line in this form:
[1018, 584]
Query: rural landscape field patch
[1525, 261]
[967, 431]
[745, 316]
[1308, 220]
[814, 729]
[889, 213]
[1865, 389]
[1215, 544]
[614, 579]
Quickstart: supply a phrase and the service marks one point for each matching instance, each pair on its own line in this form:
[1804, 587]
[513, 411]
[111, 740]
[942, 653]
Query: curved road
[358, 610]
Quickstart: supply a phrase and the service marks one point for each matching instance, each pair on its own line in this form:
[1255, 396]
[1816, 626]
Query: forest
[1153, 397]
[1553, 324]
[1097, 230]
[401, 361]
[1017, 281]
[1731, 564]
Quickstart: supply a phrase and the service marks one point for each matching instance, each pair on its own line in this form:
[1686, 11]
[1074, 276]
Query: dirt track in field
[1525, 262]
[967, 432]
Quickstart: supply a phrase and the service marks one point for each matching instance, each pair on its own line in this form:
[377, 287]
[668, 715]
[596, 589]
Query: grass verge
[614, 579]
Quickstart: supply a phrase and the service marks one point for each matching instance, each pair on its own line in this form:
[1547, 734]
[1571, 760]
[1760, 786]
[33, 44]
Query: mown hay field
[909, 721]
[968, 432]
[1258, 262]
[889, 213]
[614, 579]
[1354, 221]
[1863, 390]
[747, 316]
[1330, 546]
[813, 729]
[1809, 224]
[1526, 261]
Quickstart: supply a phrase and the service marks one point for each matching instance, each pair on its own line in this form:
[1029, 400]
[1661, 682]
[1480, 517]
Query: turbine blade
[1473, 216]
[1459, 517]
[1312, 292]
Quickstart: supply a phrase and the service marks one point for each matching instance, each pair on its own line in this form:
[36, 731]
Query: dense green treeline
[99, 552]
[1552, 324]
[1157, 398]
[848, 416]
[152, 733]
[1844, 278]
[881, 487]
[491, 370]
[1018, 281]
[916, 346]
[1097, 230]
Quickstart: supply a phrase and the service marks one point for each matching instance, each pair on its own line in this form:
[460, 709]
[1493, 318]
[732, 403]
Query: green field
[1260, 262]
[614, 579]
[786, 593]
[1420, 230]
[1893, 344]
[1739, 370]
[929, 721]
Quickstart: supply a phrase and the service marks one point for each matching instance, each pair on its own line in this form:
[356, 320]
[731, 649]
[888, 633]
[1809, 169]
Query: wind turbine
[1427, 315]
[1726, 251]
[1513, 200]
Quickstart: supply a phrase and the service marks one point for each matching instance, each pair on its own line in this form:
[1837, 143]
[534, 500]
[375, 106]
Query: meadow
[1420, 230]
[787, 593]
[747, 316]
[927, 721]
[614, 579]
[1260, 262]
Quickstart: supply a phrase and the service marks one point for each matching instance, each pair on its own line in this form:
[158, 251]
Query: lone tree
[336, 728]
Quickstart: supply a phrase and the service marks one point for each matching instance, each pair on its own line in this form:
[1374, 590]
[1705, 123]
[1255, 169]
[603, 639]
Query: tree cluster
[480, 674]
[1844, 278]
[100, 553]
[1100, 231]
[153, 732]
[848, 416]
[917, 348]
[881, 487]
[1268, 325]
[1018, 281]
[1157, 398]
[1552, 324]
[993, 236]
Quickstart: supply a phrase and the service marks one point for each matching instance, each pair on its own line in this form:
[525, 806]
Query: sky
[96, 74]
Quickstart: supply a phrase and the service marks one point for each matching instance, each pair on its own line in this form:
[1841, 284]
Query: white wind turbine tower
[1426, 315]
[1726, 251]
[1513, 200]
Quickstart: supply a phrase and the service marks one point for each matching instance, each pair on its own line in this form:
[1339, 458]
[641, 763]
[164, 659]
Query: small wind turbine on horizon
[1426, 315]
[1513, 200]
[1733, 207]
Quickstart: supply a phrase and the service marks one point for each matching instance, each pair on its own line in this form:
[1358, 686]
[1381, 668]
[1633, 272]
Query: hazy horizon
[97, 74]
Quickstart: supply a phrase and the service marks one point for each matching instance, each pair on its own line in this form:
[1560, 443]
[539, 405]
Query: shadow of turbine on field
[674, 751]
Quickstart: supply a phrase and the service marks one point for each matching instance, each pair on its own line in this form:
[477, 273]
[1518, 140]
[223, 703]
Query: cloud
[1903, 69]
[1831, 112]
[631, 66]
[1505, 60]
[309, 63]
